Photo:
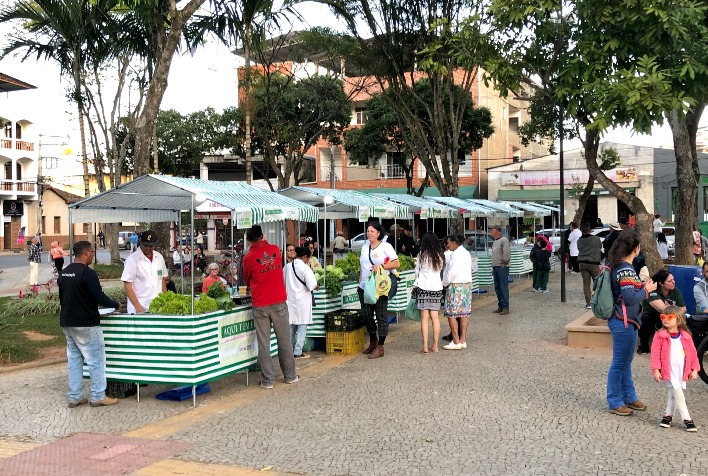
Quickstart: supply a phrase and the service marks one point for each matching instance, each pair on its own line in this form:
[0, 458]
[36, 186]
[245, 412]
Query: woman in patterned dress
[457, 277]
[428, 286]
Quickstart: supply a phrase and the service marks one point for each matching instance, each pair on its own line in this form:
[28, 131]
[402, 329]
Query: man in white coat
[300, 281]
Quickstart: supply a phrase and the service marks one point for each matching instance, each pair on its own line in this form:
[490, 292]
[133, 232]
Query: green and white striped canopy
[467, 208]
[155, 198]
[347, 203]
[427, 208]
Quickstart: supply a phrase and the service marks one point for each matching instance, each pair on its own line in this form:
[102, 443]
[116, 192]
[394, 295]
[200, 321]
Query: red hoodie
[263, 273]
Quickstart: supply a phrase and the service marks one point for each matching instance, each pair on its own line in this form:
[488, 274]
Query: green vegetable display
[349, 266]
[205, 304]
[406, 263]
[170, 303]
[221, 296]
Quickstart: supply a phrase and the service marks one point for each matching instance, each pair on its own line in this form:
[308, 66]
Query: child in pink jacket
[674, 360]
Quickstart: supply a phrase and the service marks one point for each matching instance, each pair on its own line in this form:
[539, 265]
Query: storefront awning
[540, 196]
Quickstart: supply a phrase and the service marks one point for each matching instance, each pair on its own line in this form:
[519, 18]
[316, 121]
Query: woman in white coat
[300, 281]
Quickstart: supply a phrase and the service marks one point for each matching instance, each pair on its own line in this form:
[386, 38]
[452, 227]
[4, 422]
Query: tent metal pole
[179, 243]
[191, 266]
[71, 237]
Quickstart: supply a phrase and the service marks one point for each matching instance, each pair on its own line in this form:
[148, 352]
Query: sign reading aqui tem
[244, 219]
[237, 337]
[350, 297]
[364, 214]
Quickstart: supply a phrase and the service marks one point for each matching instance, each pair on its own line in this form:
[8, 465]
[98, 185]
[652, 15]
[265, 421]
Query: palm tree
[74, 33]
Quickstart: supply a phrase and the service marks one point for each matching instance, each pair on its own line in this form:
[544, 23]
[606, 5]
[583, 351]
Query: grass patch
[109, 271]
[15, 346]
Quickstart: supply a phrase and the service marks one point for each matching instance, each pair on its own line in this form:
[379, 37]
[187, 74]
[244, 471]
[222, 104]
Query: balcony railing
[12, 186]
[19, 145]
[394, 171]
[24, 145]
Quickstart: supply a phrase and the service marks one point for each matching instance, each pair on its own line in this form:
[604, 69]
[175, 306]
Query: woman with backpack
[628, 293]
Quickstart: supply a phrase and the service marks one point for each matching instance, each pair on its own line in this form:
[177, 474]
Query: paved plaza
[517, 401]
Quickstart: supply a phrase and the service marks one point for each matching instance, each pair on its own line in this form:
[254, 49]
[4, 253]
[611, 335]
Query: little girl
[674, 360]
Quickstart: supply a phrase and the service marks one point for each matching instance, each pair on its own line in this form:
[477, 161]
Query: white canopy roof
[347, 203]
[468, 208]
[531, 208]
[155, 198]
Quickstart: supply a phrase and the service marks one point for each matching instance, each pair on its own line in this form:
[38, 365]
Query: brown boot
[378, 352]
[372, 346]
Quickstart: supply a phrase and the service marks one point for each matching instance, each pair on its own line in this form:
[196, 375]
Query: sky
[205, 79]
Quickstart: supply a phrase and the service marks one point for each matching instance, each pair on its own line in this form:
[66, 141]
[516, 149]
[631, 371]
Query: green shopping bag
[412, 311]
[370, 296]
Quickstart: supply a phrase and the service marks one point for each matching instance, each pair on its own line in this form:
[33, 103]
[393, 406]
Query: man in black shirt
[406, 244]
[80, 293]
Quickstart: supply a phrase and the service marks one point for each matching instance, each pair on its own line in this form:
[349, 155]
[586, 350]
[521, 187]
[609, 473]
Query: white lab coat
[299, 298]
[146, 277]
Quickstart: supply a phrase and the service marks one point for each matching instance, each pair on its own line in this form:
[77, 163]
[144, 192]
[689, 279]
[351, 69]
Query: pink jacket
[661, 354]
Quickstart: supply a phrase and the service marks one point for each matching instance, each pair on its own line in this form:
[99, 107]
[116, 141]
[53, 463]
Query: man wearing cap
[615, 230]
[406, 242]
[80, 294]
[501, 256]
[263, 273]
[144, 274]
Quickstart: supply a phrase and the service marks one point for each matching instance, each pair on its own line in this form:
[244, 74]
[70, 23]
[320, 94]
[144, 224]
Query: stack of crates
[345, 332]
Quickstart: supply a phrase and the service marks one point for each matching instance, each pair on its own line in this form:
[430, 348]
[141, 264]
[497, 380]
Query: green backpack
[602, 301]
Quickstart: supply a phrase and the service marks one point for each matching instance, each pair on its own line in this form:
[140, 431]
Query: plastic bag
[370, 296]
[412, 311]
[383, 283]
[700, 261]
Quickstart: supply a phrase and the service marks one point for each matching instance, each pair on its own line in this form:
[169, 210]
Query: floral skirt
[458, 300]
[428, 300]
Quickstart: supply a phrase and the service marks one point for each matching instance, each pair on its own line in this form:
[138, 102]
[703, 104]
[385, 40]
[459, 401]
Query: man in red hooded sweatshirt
[263, 273]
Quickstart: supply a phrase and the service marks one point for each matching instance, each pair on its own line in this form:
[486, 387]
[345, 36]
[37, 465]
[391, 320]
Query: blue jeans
[85, 344]
[298, 332]
[620, 386]
[501, 285]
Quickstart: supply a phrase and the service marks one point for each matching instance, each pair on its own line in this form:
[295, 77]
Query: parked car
[478, 240]
[553, 235]
[124, 239]
[357, 242]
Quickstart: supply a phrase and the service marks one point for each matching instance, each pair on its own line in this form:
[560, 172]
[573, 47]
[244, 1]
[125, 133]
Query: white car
[357, 242]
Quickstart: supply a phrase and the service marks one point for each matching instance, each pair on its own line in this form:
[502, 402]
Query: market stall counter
[181, 350]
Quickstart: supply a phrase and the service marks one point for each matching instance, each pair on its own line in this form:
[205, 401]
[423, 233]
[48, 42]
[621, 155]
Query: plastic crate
[343, 320]
[346, 343]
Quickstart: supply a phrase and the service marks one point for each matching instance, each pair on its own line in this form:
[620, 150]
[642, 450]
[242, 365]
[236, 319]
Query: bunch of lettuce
[170, 303]
[222, 297]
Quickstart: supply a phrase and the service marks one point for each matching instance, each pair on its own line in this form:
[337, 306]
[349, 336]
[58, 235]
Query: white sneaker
[588, 306]
[452, 346]
[545, 291]
[536, 290]
[463, 345]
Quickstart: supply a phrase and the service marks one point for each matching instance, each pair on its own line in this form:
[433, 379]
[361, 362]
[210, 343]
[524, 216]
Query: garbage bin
[684, 276]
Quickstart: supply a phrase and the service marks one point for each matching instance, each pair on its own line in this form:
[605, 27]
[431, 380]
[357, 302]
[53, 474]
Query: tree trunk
[247, 119]
[110, 230]
[646, 234]
[687, 188]
[591, 144]
[166, 46]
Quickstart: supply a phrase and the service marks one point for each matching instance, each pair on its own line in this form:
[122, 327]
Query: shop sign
[552, 177]
[382, 212]
[244, 219]
[237, 338]
[364, 214]
[13, 209]
[424, 213]
[350, 297]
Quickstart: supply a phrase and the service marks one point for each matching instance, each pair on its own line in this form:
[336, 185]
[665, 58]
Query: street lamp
[327, 201]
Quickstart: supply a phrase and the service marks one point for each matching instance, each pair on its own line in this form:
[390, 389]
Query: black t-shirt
[80, 294]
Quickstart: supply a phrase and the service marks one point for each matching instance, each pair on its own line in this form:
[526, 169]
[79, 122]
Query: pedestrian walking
[674, 360]
[57, 254]
[80, 294]
[457, 279]
[573, 238]
[624, 324]
[101, 239]
[501, 257]
[541, 260]
[589, 257]
[657, 225]
[662, 246]
[428, 287]
[339, 246]
[34, 258]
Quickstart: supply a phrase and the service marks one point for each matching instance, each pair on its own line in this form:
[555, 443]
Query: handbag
[303, 283]
[394, 278]
[383, 283]
[412, 311]
[370, 290]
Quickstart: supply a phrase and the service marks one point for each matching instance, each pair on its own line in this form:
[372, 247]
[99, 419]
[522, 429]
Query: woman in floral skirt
[457, 277]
